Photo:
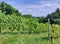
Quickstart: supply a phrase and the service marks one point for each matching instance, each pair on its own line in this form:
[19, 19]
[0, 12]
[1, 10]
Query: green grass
[26, 39]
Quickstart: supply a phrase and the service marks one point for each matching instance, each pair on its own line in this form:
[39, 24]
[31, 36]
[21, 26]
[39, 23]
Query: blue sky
[35, 7]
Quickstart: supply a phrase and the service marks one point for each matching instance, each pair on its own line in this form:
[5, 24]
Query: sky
[35, 7]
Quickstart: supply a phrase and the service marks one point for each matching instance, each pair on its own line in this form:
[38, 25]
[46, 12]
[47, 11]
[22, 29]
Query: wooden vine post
[49, 35]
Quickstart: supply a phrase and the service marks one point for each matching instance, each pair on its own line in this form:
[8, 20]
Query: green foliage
[11, 21]
[8, 9]
[21, 24]
[56, 30]
[54, 17]
[27, 16]
[27, 23]
[40, 19]
[22, 39]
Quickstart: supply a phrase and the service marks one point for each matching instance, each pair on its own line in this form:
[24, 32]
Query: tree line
[9, 10]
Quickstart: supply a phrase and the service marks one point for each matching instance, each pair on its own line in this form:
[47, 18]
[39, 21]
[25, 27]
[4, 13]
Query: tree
[17, 13]
[40, 19]
[27, 16]
[8, 9]
[2, 6]
[54, 17]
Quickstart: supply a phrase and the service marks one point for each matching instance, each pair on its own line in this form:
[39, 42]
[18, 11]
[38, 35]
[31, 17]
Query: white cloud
[40, 9]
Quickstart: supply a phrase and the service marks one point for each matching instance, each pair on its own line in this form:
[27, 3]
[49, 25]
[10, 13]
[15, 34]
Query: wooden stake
[49, 36]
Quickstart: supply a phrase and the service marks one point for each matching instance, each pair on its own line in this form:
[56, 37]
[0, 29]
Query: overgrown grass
[26, 39]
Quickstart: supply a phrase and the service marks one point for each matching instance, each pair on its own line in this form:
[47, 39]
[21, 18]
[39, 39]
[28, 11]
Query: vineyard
[16, 28]
[13, 23]
[10, 24]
